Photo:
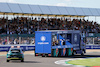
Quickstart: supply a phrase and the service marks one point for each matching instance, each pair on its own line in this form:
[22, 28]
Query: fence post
[93, 41]
[19, 40]
[7, 40]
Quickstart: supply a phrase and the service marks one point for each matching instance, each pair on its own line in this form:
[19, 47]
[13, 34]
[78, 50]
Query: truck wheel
[35, 54]
[43, 55]
[82, 53]
[8, 60]
[73, 53]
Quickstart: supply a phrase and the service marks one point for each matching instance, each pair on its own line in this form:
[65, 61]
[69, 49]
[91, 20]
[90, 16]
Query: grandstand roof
[26, 9]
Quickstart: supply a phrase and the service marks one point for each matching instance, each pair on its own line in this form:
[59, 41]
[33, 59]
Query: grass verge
[86, 62]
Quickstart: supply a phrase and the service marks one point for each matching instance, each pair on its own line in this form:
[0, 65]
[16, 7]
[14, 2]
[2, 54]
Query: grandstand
[21, 30]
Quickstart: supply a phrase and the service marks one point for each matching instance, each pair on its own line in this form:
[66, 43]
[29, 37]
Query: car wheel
[8, 60]
[22, 60]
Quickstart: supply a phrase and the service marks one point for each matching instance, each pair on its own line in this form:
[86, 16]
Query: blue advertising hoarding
[24, 48]
[92, 46]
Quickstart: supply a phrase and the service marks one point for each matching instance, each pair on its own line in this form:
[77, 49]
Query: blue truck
[59, 43]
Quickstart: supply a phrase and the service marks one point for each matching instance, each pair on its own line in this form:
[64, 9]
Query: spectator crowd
[25, 25]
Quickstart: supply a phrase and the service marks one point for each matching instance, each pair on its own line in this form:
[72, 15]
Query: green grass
[86, 62]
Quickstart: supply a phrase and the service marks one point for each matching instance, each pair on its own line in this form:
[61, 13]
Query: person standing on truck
[62, 42]
[56, 42]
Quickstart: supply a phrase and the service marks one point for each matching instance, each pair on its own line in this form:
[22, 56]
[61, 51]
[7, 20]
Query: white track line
[62, 62]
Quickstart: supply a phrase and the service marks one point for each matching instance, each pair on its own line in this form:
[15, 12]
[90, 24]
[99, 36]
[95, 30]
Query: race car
[15, 54]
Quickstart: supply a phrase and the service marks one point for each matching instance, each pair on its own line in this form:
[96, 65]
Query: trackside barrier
[92, 46]
[23, 47]
[32, 47]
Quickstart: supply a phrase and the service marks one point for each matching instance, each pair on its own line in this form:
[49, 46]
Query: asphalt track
[32, 61]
